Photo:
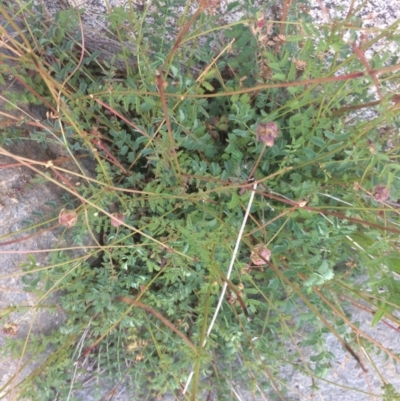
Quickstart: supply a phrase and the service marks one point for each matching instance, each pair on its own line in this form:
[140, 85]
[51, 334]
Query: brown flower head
[67, 218]
[117, 219]
[267, 133]
[10, 329]
[381, 193]
[260, 254]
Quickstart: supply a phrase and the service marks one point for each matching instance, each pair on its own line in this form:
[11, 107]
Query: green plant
[273, 121]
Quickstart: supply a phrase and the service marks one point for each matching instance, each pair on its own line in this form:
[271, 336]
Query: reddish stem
[371, 72]
[29, 236]
[203, 5]
[286, 6]
[122, 117]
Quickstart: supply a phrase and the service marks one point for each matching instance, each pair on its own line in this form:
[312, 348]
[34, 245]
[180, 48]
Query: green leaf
[279, 77]
[147, 104]
[208, 86]
[393, 263]
[378, 315]
[324, 273]
[318, 141]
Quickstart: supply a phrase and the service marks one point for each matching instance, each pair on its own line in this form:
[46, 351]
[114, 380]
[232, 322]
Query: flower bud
[260, 254]
[67, 218]
[267, 133]
[117, 219]
[381, 193]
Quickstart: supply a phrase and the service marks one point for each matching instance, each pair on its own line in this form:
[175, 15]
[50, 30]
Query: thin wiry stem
[228, 274]
[79, 351]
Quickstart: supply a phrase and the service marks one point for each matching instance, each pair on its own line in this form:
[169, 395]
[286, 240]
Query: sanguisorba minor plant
[246, 191]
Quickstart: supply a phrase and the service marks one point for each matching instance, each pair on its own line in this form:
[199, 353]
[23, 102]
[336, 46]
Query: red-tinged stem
[160, 85]
[394, 99]
[286, 6]
[155, 314]
[160, 317]
[327, 212]
[314, 310]
[130, 123]
[112, 158]
[256, 88]
[29, 236]
[65, 180]
[361, 56]
[82, 45]
[203, 5]
[36, 94]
